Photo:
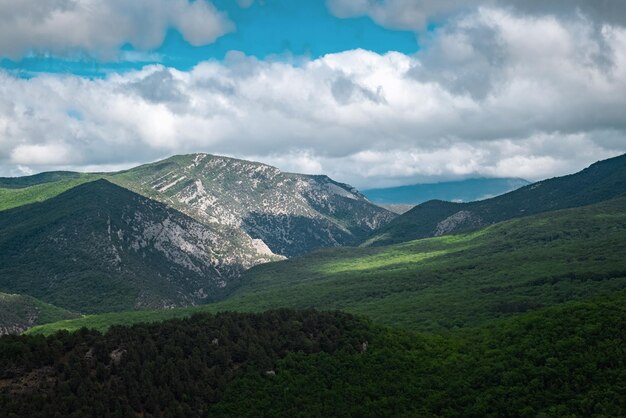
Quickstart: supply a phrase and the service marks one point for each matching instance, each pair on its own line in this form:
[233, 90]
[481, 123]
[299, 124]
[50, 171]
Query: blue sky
[274, 29]
[370, 92]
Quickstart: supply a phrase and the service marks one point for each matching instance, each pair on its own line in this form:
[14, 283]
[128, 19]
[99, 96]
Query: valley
[173, 249]
[306, 209]
[437, 284]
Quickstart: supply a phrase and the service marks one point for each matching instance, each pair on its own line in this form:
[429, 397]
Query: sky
[374, 93]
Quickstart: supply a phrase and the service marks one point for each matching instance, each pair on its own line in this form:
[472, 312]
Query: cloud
[493, 93]
[101, 27]
[416, 15]
[38, 154]
[399, 14]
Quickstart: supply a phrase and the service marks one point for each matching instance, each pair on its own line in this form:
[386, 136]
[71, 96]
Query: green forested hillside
[602, 181]
[19, 312]
[568, 360]
[98, 248]
[440, 283]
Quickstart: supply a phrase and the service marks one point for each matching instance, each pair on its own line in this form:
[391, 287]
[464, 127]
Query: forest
[566, 360]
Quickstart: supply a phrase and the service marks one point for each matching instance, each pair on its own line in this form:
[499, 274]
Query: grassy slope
[12, 196]
[440, 283]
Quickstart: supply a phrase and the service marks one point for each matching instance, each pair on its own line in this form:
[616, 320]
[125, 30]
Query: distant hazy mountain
[452, 191]
[602, 181]
[174, 233]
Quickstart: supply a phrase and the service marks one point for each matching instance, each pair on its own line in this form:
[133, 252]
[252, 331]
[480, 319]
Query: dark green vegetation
[19, 312]
[601, 181]
[439, 283]
[526, 317]
[98, 247]
[453, 191]
[562, 361]
[179, 366]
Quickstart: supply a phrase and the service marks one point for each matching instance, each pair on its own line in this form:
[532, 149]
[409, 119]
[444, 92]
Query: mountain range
[601, 181]
[510, 306]
[177, 232]
[189, 231]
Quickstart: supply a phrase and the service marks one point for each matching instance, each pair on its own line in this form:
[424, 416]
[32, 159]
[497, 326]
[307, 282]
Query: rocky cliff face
[281, 213]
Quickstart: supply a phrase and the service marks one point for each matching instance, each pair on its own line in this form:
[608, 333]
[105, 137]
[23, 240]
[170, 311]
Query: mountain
[19, 312]
[566, 360]
[98, 247]
[290, 213]
[397, 208]
[442, 283]
[601, 181]
[177, 232]
[453, 191]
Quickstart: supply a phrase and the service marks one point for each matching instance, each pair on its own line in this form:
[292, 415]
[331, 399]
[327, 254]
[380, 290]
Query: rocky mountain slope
[290, 213]
[99, 247]
[601, 181]
[177, 232]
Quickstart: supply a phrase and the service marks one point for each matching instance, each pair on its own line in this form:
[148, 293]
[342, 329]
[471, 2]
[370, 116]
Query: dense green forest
[439, 283]
[562, 361]
[99, 248]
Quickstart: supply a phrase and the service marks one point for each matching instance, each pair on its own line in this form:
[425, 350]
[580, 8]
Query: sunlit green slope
[15, 192]
[441, 283]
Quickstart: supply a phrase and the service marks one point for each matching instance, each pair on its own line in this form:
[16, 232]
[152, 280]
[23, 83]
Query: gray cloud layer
[494, 92]
[416, 14]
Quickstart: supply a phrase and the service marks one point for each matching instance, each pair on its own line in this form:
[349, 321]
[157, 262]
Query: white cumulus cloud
[494, 93]
[101, 27]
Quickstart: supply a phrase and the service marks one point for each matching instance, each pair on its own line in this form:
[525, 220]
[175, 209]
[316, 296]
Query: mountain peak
[266, 203]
